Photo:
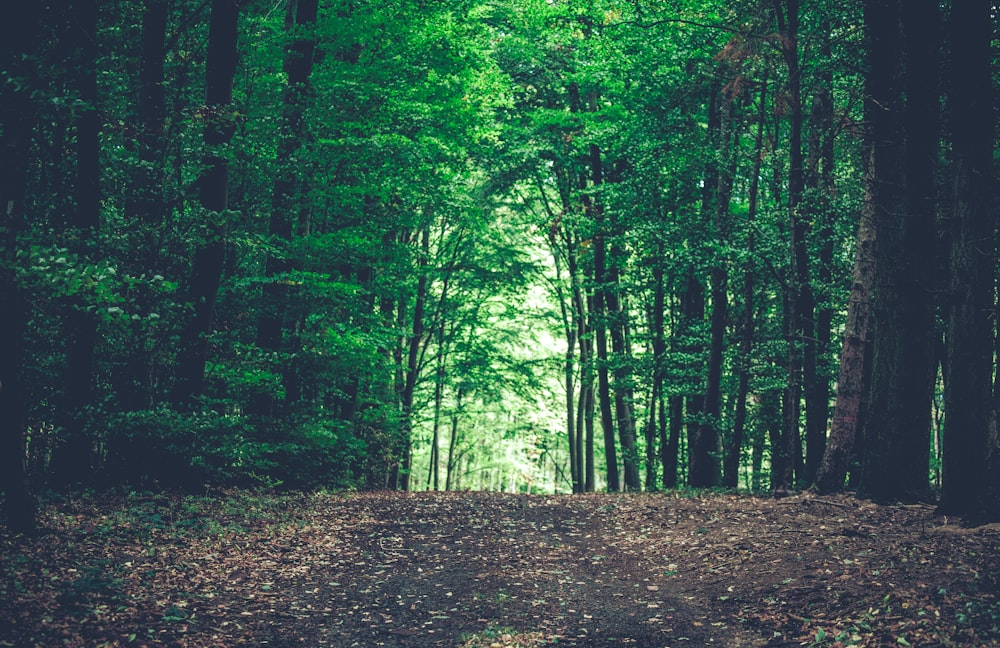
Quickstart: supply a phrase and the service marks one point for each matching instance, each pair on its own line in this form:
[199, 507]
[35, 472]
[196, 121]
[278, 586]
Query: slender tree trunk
[969, 363]
[693, 306]
[569, 322]
[703, 471]
[413, 360]
[799, 303]
[656, 407]
[855, 357]
[453, 442]
[624, 412]
[285, 198]
[209, 256]
[585, 404]
[145, 202]
[821, 180]
[601, 320]
[671, 448]
[74, 461]
[731, 461]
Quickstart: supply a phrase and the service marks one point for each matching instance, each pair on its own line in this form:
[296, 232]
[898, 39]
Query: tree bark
[855, 357]
[209, 256]
[285, 200]
[656, 428]
[902, 92]
[601, 320]
[704, 446]
[145, 202]
[18, 37]
[969, 363]
[800, 301]
[820, 180]
[731, 460]
[74, 460]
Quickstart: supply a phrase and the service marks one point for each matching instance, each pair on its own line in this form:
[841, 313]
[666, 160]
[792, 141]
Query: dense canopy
[522, 245]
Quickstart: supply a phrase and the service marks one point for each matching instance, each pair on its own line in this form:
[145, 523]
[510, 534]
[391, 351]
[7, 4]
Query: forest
[499, 323]
[532, 246]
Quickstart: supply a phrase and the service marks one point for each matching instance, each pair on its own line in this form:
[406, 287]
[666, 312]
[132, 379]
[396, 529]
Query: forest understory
[474, 569]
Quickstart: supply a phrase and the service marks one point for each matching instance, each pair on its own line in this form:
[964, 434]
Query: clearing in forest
[472, 570]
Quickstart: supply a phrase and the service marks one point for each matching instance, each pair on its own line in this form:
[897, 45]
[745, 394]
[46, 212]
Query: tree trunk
[624, 413]
[731, 460]
[969, 363]
[18, 36]
[414, 347]
[285, 198]
[74, 460]
[855, 356]
[145, 201]
[657, 430]
[904, 130]
[704, 445]
[209, 256]
[799, 302]
[601, 321]
[821, 180]
[453, 442]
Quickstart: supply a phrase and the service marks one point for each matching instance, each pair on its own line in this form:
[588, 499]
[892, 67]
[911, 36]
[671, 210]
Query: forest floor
[486, 570]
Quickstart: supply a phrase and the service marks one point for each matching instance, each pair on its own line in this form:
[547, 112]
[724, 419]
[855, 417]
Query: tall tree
[969, 362]
[18, 38]
[286, 201]
[145, 203]
[74, 460]
[853, 385]
[902, 78]
[799, 301]
[207, 265]
[731, 460]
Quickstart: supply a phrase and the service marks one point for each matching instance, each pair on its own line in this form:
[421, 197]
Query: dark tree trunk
[800, 301]
[74, 460]
[414, 353]
[693, 313]
[585, 403]
[285, 198]
[731, 460]
[704, 447]
[145, 201]
[18, 36]
[903, 59]
[969, 363]
[209, 257]
[624, 413]
[601, 320]
[855, 358]
[821, 180]
[656, 428]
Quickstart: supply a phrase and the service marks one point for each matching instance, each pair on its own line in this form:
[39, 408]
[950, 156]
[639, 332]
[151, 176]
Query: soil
[487, 570]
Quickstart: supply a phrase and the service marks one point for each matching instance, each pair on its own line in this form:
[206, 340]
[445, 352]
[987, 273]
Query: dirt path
[471, 570]
[535, 569]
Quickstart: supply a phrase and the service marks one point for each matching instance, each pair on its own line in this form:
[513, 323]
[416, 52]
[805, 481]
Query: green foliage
[167, 449]
[471, 126]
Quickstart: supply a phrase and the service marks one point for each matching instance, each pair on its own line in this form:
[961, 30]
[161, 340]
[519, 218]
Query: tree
[902, 96]
[18, 37]
[286, 201]
[968, 364]
[146, 205]
[74, 460]
[855, 362]
[206, 267]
